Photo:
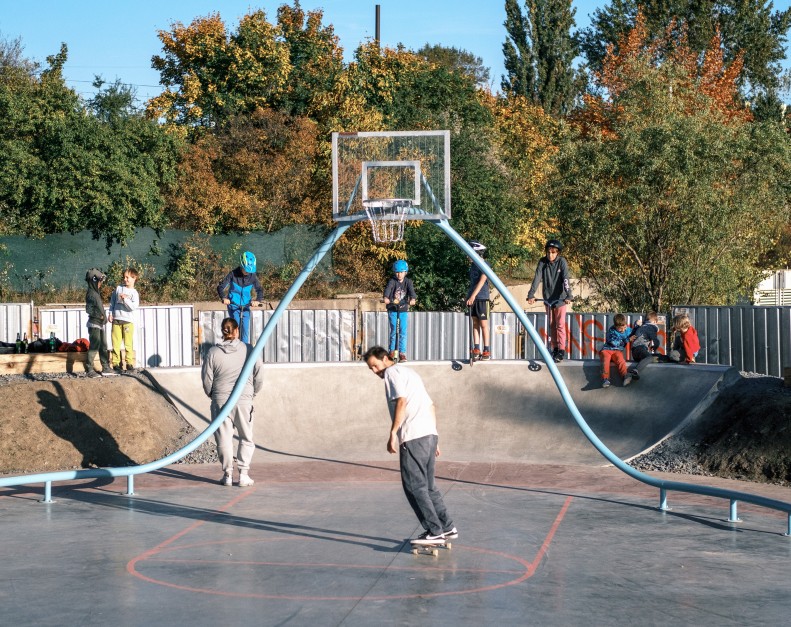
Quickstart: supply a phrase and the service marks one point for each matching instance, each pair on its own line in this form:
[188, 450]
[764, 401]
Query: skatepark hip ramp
[498, 411]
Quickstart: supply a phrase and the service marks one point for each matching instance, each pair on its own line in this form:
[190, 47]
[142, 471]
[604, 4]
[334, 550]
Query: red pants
[617, 358]
[557, 321]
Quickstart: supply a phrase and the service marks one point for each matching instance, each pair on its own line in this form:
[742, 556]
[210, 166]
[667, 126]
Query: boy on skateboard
[413, 434]
[478, 303]
[399, 295]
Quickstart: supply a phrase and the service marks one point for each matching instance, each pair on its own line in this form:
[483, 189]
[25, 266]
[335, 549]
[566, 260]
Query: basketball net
[387, 218]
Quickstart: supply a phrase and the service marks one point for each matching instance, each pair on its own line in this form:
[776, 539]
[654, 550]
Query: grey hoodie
[222, 367]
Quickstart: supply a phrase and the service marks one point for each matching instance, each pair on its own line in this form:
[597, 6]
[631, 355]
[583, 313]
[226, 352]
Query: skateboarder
[236, 292]
[399, 295]
[413, 434]
[478, 303]
[552, 272]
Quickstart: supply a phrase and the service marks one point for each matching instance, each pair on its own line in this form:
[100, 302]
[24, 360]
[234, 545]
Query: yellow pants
[123, 335]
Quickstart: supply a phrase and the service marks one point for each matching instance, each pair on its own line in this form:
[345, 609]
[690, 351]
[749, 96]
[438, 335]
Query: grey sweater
[222, 367]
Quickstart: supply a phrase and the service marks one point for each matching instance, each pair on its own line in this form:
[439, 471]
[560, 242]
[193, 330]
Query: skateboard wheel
[449, 545]
[415, 551]
[435, 552]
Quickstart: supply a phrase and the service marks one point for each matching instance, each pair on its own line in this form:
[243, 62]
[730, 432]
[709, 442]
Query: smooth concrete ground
[323, 543]
[547, 535]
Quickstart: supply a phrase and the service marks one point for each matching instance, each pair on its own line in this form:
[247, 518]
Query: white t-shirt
[420, 421]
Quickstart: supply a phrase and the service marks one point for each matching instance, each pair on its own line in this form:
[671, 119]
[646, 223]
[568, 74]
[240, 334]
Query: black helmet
[94, 275]
[553, 243]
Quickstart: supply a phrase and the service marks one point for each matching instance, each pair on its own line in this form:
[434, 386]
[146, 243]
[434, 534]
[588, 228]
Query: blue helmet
[247, 261]
[400, 266]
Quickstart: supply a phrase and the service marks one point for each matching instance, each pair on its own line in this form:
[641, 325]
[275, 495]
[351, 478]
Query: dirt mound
[62, 422]
[744, 434]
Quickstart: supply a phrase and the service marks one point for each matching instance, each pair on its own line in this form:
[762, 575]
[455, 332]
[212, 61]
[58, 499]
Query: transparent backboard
[406, 169]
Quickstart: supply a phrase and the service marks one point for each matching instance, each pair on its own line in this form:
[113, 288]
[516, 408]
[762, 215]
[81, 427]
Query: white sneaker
[226, 480]
[627, 380]
[245, 481]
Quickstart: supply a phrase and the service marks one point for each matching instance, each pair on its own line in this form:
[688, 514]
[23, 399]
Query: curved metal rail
[663, 485]
[130, 471]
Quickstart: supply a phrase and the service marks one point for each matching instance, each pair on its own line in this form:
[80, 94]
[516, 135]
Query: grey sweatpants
[241, 418]
[417, 476]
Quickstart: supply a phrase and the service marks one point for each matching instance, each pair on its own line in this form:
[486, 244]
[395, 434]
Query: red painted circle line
[525, 571]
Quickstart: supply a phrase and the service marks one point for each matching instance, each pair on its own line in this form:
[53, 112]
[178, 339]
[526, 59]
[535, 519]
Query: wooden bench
[45, 362]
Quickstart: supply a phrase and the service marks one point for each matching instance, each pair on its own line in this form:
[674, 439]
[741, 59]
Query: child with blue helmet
[236, 292]
[399, 294]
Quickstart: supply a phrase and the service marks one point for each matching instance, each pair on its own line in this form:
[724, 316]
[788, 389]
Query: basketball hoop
[387, 218]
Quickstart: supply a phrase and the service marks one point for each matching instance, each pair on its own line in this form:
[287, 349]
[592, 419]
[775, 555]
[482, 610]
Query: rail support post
[734, 516]
[47, 492]
[663, 500]
[130, 485]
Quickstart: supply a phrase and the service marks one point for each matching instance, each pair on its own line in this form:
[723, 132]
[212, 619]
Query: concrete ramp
[496, 411]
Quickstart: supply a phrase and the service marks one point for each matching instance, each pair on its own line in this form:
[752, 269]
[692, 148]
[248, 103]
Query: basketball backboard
[406, 169]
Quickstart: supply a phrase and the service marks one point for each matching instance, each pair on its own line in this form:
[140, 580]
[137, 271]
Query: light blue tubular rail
[664, 486]
[130, 471]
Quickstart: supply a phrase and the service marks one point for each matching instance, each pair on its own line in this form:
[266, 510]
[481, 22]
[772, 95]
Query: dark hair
[132, 272]
[619, 320]
[375, 351]
[229, 322]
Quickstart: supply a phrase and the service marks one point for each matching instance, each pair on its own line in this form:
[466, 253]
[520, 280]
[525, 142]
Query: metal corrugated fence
[163, 334]
[15, 318]
[302, 335]
[756, 339]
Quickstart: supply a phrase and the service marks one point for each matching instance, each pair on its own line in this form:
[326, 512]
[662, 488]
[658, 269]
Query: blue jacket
[240, 287]
[616, 340]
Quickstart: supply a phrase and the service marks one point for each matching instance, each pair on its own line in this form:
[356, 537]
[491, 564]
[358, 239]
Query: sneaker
[393, 356]
[606, 383]
[451, 534]
[226, 480]
[627, 380]
[485, 356]
[118, 369]
[401, 356]
[428, 539]
[558, 355]
[475, 354]
[92, 374]
[245, 481]
[634, 374]
[108, 372]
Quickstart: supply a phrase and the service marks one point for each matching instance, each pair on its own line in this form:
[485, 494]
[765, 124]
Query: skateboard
[430, 549]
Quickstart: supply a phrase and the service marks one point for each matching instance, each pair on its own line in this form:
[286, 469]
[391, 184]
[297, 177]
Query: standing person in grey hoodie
[97, 318]
[220, 371]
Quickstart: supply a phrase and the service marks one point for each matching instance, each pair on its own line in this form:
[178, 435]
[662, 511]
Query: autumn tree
[669, 194]
[751, 29]
[539, 54]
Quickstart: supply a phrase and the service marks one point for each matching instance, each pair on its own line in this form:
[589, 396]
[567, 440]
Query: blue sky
[117, 38]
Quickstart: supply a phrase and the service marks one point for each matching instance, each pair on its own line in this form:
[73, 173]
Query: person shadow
[96, 444]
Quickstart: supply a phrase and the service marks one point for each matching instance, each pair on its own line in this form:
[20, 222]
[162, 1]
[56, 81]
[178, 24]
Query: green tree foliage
[748, 27]
[668, 194]
[457, 60]
[539, 54]
[65, 167]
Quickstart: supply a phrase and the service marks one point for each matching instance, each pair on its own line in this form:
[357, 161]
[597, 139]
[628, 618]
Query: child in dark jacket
[615, 342]
[399, 295]
[97, 319]
[644, 341]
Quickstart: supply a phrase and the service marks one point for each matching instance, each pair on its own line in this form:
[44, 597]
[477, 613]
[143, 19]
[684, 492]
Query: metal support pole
[130, 485]
[734, 517]
[663, 500]
[47, 492]
[788, 526]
